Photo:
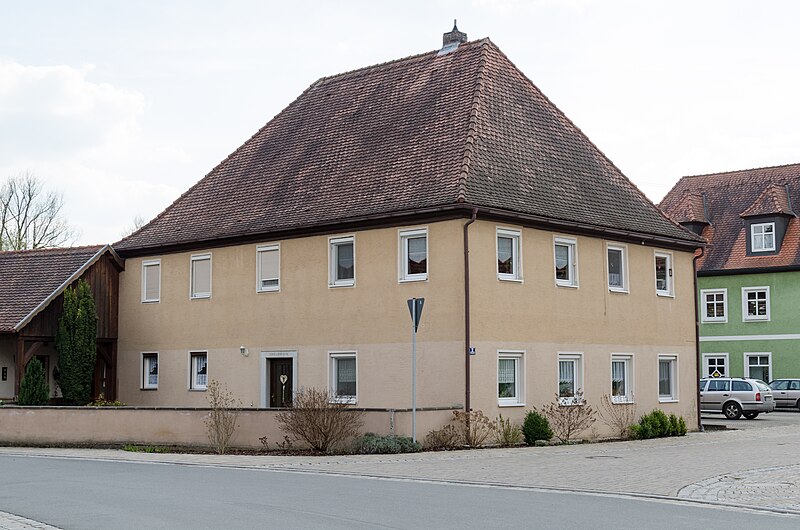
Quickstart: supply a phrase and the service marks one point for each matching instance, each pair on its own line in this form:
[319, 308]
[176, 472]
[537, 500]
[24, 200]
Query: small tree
[320, 420]
[76, 342]
[221, 421]
[33, 389]
[536, 427]
[569, 416]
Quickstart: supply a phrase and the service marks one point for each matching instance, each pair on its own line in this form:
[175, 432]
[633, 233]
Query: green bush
[658, 425]
[536, 427]
[372, 444]
[33, 389]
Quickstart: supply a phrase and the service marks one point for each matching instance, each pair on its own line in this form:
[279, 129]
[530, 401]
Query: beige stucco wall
[90, 425]
[311, 319]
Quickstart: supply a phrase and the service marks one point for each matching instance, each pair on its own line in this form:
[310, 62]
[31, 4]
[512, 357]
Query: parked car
[736, 397]
[786, 392]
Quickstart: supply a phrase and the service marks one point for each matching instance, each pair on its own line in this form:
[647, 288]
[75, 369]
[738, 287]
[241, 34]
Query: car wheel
[732, 410]
[751, 415]
[798, 403]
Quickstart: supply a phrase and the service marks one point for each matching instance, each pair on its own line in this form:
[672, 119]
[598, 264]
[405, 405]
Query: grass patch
[145, 449]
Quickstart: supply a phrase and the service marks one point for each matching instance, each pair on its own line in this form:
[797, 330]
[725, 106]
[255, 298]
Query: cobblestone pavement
[10, 521]
[756, 467]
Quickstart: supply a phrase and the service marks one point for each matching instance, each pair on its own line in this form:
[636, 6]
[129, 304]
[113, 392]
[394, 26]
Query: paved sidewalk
[720, 467]
[10, 521]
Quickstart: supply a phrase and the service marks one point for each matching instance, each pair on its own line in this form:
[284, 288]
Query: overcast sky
[122, 106]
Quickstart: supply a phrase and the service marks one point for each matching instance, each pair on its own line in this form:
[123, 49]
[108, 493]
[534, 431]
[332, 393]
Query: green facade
[773, 343]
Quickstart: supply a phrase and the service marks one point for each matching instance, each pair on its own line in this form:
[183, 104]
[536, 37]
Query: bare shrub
[221, 421]
[507, 434]
[446, 438]
[618, 416]
[569, 416]
[473, 427]
[319, 420]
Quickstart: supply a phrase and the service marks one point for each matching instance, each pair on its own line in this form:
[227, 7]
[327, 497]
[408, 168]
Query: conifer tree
[76, 342]
[33, 388]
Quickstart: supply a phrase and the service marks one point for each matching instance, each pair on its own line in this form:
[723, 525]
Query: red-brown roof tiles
[732, 196]
[29, 277]
[426, 131]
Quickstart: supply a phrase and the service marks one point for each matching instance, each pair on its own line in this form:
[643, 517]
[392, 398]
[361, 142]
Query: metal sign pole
[414, 373]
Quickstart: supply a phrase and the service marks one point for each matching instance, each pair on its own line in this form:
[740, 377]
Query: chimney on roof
[453, 37]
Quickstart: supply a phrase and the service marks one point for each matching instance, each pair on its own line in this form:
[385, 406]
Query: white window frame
[754, 237]
[145, 265]
[270, 288]
[623, 249]
[673, 376]
[707, 356]
[704, 305]
[670, 290]
[144, 382]
[333, 357]
[403, 236]
[194, 385]
[577, 359]
[746, 362]
[333, 243]
[516, 253]
[627, 358]
[572, 256]
[200, 257]
[519, 378]
[757, 318]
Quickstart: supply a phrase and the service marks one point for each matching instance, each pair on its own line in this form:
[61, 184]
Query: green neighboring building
[749, 275]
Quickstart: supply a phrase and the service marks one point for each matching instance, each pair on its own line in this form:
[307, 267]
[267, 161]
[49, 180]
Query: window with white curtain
[762, 237]
[570, 378]
[149, 370]
[508, 254]
[509, 378]
[268, 264]
[343, 377]
[617, 268]
[566, 261]
[622, 378]
[198, 364]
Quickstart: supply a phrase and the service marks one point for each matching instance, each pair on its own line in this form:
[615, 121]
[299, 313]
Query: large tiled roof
[429, 131]
[730, 198]
[29, 277]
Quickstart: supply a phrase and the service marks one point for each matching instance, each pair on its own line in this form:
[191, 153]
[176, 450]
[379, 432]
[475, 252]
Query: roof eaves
[77, 274]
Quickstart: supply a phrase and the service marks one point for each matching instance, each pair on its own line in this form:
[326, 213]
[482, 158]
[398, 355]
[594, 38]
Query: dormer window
[762, 237]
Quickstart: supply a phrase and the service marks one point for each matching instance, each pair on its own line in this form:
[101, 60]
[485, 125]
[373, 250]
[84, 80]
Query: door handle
[725, 395]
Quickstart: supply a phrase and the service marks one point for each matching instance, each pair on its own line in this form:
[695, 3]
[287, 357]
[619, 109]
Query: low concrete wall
[170, 426]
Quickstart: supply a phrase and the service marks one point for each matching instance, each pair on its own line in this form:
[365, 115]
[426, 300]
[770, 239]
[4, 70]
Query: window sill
[148, 389]
[515, 404]
[274, 290]
[755, 320]
[625, 401]
[200, 297]
[197, 390]
[714, 322]
[407, 280]
[151, 301]
[618, 291]
[344, 401]
[665, 295]
[509, 279]
[568, 285]
[570, 402]
[667, 400]
[338, 285]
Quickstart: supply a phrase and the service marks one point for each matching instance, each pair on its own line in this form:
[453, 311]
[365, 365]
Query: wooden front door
[280, 383]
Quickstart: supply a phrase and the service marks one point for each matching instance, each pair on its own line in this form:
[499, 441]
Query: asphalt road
[88, 494]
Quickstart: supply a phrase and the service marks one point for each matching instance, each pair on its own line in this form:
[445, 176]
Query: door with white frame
[715, 365]
[758, 365]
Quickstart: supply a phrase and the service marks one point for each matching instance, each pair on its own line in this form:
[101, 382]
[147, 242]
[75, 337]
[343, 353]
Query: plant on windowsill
[569, 416]
[618, 415]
